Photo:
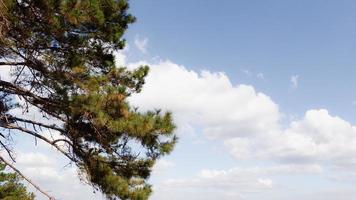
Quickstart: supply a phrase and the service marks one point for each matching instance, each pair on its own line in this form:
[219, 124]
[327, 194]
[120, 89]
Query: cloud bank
[250, 125]
[248, 122]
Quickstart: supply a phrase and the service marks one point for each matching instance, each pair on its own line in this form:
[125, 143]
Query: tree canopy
[61, 55]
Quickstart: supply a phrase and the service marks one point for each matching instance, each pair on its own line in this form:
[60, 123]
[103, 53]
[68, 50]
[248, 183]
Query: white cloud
[162, 166]
[246, 121]
[267, 182]
[323, 137]
[120, 56]
[5, 73]
[207, 99]
[34, 159]
[243, 180]
[317, 138]
[141, 44]
[294, 81]
[53, 175]
[237, 182]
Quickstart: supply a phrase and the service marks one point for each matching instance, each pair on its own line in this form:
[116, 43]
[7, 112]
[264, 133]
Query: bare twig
[12, 63]
[53, 143]
[53, 126]
[8, 151]
[26, 178]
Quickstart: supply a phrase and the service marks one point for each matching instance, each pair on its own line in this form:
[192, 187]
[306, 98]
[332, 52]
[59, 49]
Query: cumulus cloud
[318, 137]
[208, 99]
[248, 122]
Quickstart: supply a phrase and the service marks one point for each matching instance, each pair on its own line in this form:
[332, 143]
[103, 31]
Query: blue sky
[262, 44]
[262, 93]
[314, 39]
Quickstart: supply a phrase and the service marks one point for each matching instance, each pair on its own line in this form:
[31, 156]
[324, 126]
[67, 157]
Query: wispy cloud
[260, 76]
[294, 81]
[141, 43]
[246, 72]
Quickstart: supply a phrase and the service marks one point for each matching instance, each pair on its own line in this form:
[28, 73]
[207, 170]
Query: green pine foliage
[61, 53]
[11, 188]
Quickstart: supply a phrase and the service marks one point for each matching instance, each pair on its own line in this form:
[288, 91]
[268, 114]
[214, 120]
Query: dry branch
[27, 179]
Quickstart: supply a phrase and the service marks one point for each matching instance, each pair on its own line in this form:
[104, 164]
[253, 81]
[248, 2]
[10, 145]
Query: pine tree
[11, 188]
[61, 54]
